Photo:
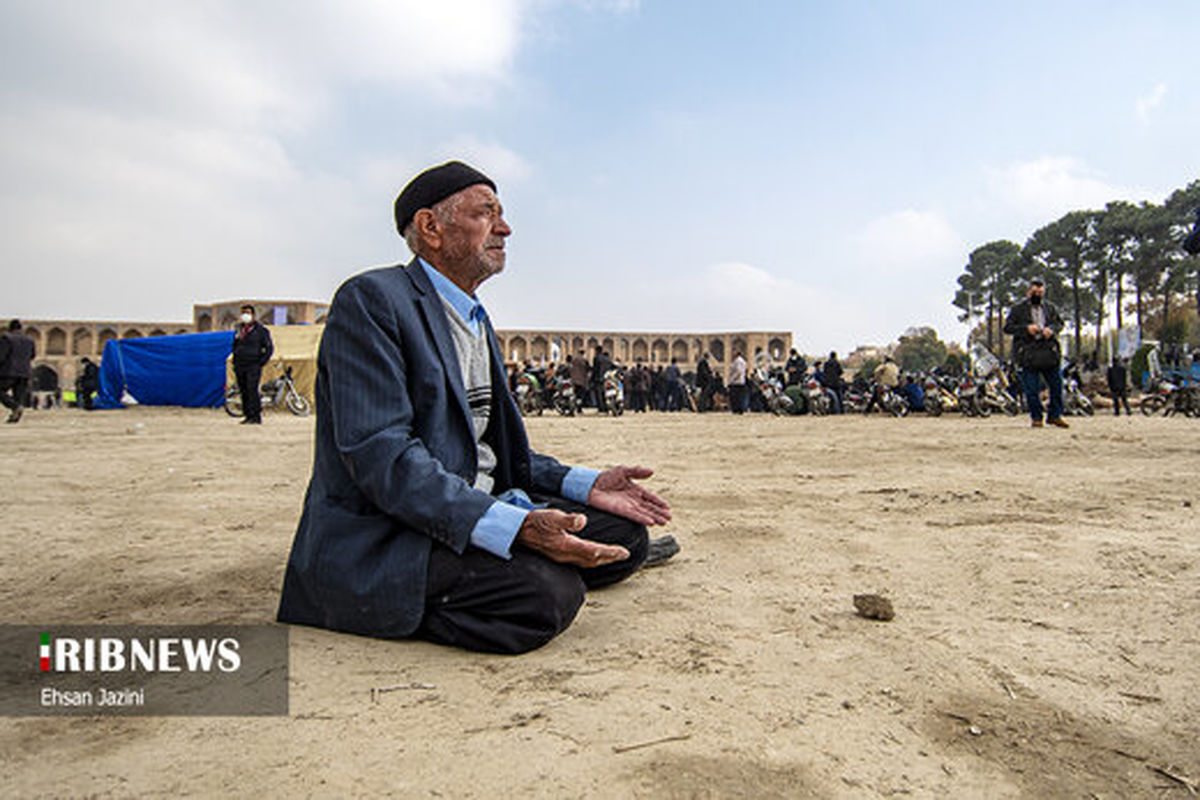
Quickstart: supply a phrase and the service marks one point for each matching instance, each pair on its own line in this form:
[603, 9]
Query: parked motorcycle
[771, 390]
[939, 398]
[563, 397]
[995, 395]
[819, 402]
[1075, 402]
[969, 400]
[278, 392]
[529, 394]
[1170, 398]
[614, 392]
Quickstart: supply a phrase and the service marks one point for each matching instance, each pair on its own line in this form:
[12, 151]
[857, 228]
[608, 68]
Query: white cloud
[1148, 102]
[156, 164]
[1048, 187]
[740, 296]
[910, 240]
[501, 164]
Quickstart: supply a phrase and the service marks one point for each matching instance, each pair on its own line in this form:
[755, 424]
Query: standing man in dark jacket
[1034, 325]
[704, 382]
[1118, 386]
[581, 371]
[17, 352]
[252, 349]
[832, 379]
[601, 364]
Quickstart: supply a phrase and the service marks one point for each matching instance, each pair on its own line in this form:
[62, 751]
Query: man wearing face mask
[1034, 325]
[252, 349]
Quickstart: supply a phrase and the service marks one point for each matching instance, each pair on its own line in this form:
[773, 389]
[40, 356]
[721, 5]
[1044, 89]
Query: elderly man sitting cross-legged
[428, 515]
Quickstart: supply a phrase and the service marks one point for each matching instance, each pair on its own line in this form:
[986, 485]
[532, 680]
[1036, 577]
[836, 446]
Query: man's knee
[515, 609]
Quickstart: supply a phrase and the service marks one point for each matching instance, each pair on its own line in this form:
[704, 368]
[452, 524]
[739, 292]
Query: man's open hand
[552, 533]
[615, 492]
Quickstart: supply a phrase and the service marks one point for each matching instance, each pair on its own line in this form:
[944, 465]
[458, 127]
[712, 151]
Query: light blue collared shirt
[498, 527]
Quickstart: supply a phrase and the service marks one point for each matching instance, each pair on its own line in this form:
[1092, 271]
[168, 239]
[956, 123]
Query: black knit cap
[434, 185]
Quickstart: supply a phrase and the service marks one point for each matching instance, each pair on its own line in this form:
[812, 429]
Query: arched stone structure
[516, 349]
[56, 342]
[641, 350]
[679, 351]
[539, 349]
[82, 343]
[659, 352]
[131, 333]
[44, 378]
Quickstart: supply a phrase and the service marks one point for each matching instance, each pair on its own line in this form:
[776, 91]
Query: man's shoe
[660, 550]
[1037, 423]
[15, 414]
[1059, 422]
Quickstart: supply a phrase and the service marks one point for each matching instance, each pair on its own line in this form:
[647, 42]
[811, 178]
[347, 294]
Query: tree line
[1087, 258]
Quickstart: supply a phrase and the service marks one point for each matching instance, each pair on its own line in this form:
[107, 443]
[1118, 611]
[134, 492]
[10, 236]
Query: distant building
[62, 343]
[544, 345]
[222, 316]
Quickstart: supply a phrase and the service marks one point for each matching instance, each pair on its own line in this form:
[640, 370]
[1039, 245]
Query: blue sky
[823, 168]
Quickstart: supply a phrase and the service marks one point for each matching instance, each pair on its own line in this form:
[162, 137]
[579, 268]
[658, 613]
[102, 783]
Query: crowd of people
[883, 387]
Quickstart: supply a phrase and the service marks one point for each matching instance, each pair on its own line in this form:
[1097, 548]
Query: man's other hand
[615, 492]
[552, 533]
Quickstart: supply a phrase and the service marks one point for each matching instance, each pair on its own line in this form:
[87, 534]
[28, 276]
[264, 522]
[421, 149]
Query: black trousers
[1118, 398]
[738, 398]
[478, 601]
[248, 378]
[19, 388]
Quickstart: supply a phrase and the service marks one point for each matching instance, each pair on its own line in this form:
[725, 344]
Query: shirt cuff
[577, 484]
[497, 528]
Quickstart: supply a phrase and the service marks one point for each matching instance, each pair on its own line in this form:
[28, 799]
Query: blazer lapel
[430, 303]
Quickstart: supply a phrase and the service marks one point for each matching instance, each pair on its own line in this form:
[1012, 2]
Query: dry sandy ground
[1046, 641]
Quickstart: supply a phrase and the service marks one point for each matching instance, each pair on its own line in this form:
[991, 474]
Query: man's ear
[428, 228]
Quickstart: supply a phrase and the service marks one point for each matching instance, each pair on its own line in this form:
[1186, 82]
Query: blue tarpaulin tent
[182, 370]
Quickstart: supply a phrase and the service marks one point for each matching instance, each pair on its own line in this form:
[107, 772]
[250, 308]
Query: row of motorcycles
[968, 395]
[536, 392]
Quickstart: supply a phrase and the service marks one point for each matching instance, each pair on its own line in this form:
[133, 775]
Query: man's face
[1037, 289]
[473, 235]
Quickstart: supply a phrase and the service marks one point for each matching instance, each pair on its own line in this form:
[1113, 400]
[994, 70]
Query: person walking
[17, 352]
[1034, 325]
[252, 349]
